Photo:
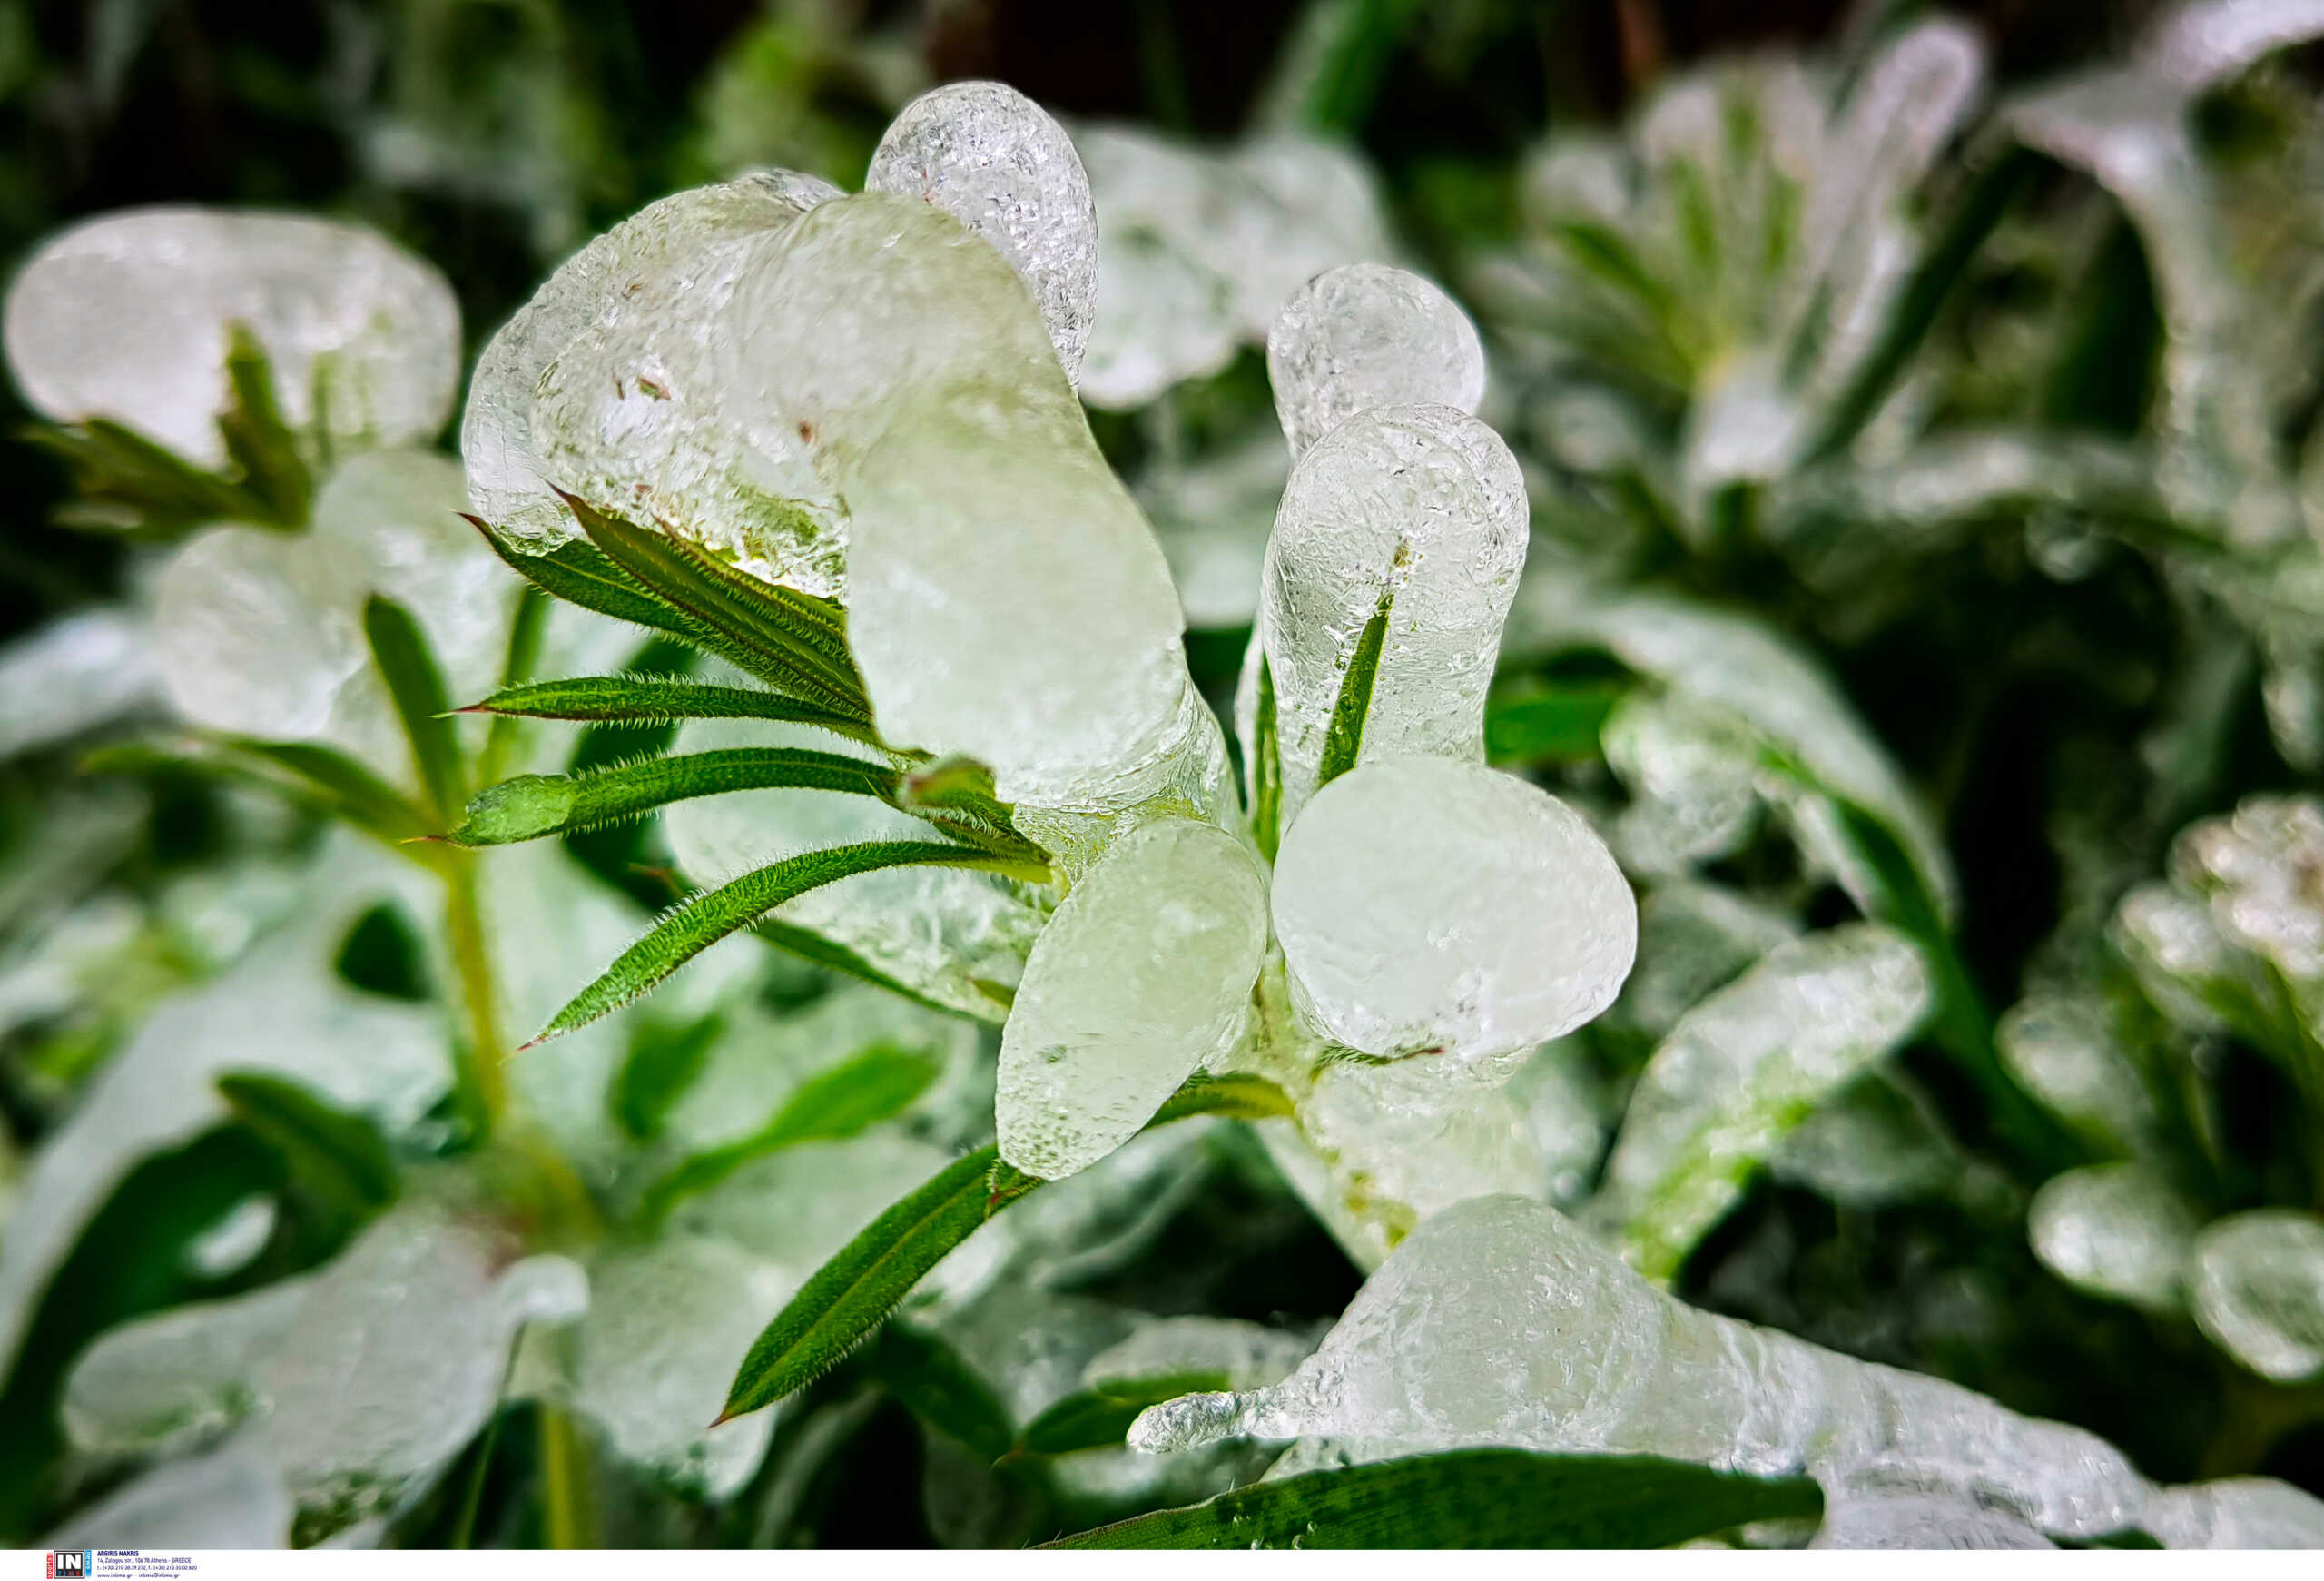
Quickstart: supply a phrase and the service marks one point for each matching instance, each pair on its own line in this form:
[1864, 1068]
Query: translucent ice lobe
[1741, 1068]
[994, 160]
[1366, 335]
[2258, 1292]
[1143, 973]
[1421, 503]
[2117, 1229]
[232, 1497]
[620, 306]
[2196, 45]
[1499, 1322]
[1430, 906]
[126, 317]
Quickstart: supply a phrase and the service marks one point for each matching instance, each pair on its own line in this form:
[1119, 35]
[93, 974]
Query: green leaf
[1344, 741]
[260, 445]
[321, 776]
[1267, 772]
[662, 1061]
[656, 700]
[694, 926]
[409, 666]
[877, 1084]
[856, 1291]
[956, 794]
[580, 574]
[1096, 1419]
[1473, 1498]
[796, 642]
[340, 1157]
[936, 1385]
[1542, 728]
[532, 805]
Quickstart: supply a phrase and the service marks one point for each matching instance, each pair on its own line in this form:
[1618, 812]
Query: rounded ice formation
[126, 318]
[1431, 906]
[1143, 974]
[2118, 1229]
[1366, 335]
[992, 159]
[2258, 1292]
[1421, 504]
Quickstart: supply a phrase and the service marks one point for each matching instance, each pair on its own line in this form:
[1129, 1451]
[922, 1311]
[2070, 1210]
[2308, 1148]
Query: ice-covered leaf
[231, 1498]
[991, 158]
[72, 677]
[1479, 1499]
[340, 1157]
[1430, 906]
[1142, 975]
[1501, 1323]
[535, 805]
[2258, 1291]
[1367, 335]
[127, 317]
[2066, 1052]
[1416, 510]
[1743, 1068]
[2116, 1230]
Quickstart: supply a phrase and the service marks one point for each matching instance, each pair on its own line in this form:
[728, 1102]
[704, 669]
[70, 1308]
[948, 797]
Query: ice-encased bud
[1499, 1322]
[1739, 1071]
[261, 632]
[2064, 1051]
[1143, 974]
[2116, 1229]
[1423, 505]
[995, 160]
[606, 384]
[1431, 906]
[1365, 335]
[1006, 599]
[126, 317]
[2257, 1289]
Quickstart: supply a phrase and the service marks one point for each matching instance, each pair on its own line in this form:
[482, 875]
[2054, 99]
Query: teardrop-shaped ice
[1143, 974]
[1006, 599]
[126, 316]
[2258, 1292]
[1366, 335]
[1499, 1322]
[995, 160]
[2117, 1229]
[637, 408]
[1419, 507]
[1427, 906]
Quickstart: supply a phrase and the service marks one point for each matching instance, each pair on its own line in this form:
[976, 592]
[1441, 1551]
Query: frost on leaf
[127, 318]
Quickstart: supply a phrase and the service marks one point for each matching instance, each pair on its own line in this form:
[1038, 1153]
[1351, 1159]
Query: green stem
[485, 1048]
[567, 1516]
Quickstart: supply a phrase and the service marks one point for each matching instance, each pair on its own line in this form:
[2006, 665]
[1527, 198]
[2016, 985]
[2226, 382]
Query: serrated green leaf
[123, 481]
[789, 640]
[578, 573]
[956, 794]
[877, 1084]
[854, 1292]
[1344, 741]
[399, 648]
[656, 700]
[1096, 1419]
[697, 924]
[338, 1156]
[1473, 1498]
[1551, 726]
[533, 805]
[1266, 772]
[662, 1061]
[940, 1389]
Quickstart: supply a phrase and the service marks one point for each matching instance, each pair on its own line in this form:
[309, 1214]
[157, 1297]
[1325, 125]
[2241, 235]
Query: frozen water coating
[126, 317]
[1144, 972]
[1740, 1069]
[1499, 1322]
[639, 413]
[667, 1325]
[2116, 1229]
[74, 676]
[2258, 1291]
[1366, 335]
[260, 632]
[1421, 505]
[233, 1497]
[2195, 46]
[2262, 870]
[1694, 777]
[991, 158]
[2064, 1051]
[939, 931]
[1693, 937]
[1429, 906]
